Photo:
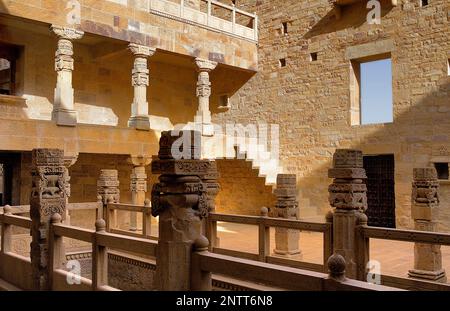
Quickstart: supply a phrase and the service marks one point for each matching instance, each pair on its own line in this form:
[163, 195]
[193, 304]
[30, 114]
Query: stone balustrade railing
[207, 19]
[145, 210]
[264, 248]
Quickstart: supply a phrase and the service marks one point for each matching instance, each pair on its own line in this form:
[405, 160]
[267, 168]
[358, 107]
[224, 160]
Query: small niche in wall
[424, 3]
[282, 62]
[313, 57]
[442, 170]
[224, 101]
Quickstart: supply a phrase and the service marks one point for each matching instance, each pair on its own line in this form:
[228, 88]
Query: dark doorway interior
[380, 190]
[10, 178]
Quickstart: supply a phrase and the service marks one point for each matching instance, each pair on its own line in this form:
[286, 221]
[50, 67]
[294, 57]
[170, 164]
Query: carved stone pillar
[48, 197]
[180, 199]
[140, 118]
[108, 189]
[348, 195]
[63, 107]
[286, 240]
[69, 161]
[212, 190]
[203, 116]
[138, 185]
[425, 205]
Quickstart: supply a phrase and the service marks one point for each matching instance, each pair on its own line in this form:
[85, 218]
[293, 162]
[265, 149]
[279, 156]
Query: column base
[64, 117]
[289, 253]
[436, 276]
[141, 123]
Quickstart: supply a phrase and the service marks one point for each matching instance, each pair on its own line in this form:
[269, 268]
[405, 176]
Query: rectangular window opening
[282, 62]
[285, 28]
[442, 171]
[424, 2]
[313, 56]
[371, 91]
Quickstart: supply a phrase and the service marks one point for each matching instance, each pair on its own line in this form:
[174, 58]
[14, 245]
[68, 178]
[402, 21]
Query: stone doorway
[380, 171]
[10, 165]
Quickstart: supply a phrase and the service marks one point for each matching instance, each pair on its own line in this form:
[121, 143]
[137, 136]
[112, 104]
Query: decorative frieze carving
[63, 108]
[181, 201]
[286, 240]
[203, 116]
[425, 205]
[140, 80]
[348, 195]
[48, 197]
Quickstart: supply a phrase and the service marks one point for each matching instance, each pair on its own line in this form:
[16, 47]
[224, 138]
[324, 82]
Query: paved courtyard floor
[395, 258]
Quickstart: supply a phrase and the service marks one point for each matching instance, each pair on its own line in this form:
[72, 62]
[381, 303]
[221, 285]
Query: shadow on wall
[352, 16]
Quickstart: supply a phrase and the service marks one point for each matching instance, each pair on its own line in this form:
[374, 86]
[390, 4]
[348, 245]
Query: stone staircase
[247, 149]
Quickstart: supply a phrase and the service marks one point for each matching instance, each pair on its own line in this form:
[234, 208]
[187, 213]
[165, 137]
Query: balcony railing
[208, 19]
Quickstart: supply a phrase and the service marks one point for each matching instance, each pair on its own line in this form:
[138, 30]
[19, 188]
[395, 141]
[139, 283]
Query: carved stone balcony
[194, 15]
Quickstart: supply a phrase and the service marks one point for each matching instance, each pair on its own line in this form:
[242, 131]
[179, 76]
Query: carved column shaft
[348, 195]
[108, 188]
[425, 205]
[204, 93]
[286, 240]
[138, 186]
[140, 80]
[48, 197]
[63, 110]
[180, 200]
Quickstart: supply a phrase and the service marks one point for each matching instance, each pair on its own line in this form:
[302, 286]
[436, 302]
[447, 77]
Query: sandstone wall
[311, 100]
[242, 190]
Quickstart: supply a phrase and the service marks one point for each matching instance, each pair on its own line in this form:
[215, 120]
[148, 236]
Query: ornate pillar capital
[140, 160]
[141, 50]
[67, 33]
[205, 65]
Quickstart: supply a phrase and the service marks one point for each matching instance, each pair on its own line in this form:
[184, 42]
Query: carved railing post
[348, 195]
[180, 199]
[286, 240]
[48, 197]
[69, 161]
[212, 189]
[138, 185]
[108, 189]
[63, 108]
[425, 206]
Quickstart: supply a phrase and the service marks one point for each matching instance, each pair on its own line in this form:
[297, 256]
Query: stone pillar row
[64, 113]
